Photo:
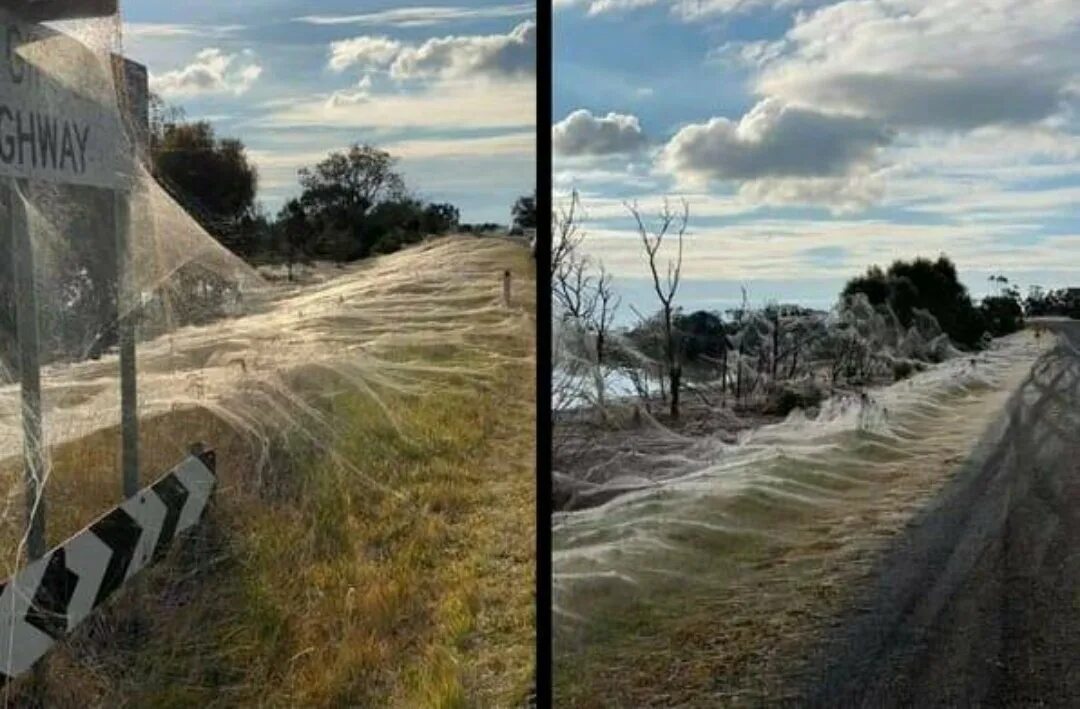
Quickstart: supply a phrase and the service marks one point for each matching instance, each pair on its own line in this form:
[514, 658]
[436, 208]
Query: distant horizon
[722, 296]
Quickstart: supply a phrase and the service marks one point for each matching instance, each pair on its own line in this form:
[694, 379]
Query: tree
[568, 234]
[293, 230]
[351, 183]
[580, 296]
[440, 218]
[666, 287]
[341, 191]
[573, 286]
[1003, 313]
[1036, 302]
[394, 224]
[1061, 302]
[922, 284]
[524, 212]
[875, 284]
[162, 114]
[211, 178]
[703, 335]
[602, 321]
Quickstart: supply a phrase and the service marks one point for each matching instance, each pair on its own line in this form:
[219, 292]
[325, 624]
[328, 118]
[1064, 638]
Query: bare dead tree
[774, 363]
[573, 287]
[581, 288]
[605, 308]
[568, 234]
[639, 379]
[666, 287]
[741, 350]
[801, 337]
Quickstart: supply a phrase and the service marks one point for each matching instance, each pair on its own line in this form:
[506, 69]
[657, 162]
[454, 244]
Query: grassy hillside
[392, 566]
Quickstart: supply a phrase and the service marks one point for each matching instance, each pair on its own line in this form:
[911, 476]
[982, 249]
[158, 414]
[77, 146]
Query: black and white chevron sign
[52, 595]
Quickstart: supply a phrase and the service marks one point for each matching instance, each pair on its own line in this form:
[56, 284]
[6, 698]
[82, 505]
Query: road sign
[46, 10]
[52, 595]
[59, 115]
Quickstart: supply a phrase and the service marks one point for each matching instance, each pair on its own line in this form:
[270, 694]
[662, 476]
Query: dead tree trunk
[666, 288]
[775, 345]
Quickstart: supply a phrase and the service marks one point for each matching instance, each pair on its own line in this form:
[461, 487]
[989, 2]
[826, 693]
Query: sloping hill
[371, 543]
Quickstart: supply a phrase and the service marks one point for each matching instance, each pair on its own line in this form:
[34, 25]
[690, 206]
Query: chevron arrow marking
[51, 596]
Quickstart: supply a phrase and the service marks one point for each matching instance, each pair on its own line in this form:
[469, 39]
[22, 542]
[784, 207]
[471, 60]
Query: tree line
[352, 205]
[1063, 302]
[888, 323]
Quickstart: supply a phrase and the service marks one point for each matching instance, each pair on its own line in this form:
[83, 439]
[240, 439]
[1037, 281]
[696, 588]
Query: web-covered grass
[703, 585]
[379, 556]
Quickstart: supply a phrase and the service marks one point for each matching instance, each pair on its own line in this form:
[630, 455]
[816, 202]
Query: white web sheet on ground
[690, 501]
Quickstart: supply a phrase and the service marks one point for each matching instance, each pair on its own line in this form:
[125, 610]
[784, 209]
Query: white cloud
[564, 180]
[164, 30]
[498, 56]
[511, 55]
[520, 143]
[950, 108]
[600, 7]
[212, 72]
[692, 10]
[421, 16]
[939, 64]
[456, 105]
[842, 195]
[958, 119]
[582, 133]
[848, 79]
[750, 54]
[361, 93]
[777, 248]
[781, 153]
[686, 10]
[365, 52]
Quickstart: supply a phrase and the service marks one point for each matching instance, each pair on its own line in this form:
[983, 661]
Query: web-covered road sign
[60, 119]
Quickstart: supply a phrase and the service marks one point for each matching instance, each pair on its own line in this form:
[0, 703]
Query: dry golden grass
[309, 587]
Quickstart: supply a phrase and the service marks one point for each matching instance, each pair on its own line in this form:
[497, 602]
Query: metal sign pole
[29, 368]
[127, 306]
[73, 138]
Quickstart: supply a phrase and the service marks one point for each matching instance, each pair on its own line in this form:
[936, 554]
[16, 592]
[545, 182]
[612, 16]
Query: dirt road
[978, 603]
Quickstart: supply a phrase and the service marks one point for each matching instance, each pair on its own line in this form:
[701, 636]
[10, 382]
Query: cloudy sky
[448, 87]
[814, 138]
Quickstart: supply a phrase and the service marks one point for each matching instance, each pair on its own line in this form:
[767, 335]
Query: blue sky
[815, 138]
[449, 87]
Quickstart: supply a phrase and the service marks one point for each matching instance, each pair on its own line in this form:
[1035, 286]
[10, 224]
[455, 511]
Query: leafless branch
[666, 288]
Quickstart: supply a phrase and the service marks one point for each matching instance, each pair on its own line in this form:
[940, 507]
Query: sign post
[126, 307]
[135, 82]
[55, 130]
[26, 319]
